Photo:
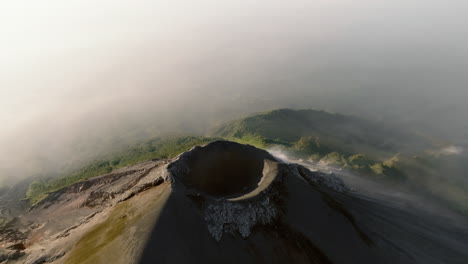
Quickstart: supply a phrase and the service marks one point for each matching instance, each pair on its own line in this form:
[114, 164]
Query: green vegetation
[3, 221]
[442, 177]
[311, 145]
[109, 234]
[374, 149]
[334, 159]
[369, 148]
[88, 247]
[39, 189]
[361, 162]
[332, 139]
[322, 132]
[159, 148]
[257, 141]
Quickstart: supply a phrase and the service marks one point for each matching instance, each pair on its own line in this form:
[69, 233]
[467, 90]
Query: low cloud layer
[81, 77]
[452, 150]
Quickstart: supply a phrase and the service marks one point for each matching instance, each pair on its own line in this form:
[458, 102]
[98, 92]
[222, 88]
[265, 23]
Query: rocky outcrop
[319, 178]
[228, 217]
[10, 254]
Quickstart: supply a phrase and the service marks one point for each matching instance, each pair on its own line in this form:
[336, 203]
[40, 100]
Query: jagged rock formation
[222, 203]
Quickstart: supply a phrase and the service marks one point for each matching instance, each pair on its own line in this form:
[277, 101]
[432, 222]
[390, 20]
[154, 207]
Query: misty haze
[233, 131]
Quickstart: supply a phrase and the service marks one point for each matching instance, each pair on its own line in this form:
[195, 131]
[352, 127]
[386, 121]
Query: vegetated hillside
[158, 148]
[332, 139]
[370, 148]
[440, 174]
[339, 132]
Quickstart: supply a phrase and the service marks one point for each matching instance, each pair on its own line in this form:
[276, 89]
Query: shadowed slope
[251, 218]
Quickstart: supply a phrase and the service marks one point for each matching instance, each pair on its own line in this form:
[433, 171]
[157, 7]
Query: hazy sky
[77, 70]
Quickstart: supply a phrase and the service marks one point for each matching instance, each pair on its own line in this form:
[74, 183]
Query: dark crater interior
[224, 169]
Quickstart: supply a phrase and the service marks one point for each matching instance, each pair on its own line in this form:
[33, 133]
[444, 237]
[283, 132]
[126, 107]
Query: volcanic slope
[224, 203]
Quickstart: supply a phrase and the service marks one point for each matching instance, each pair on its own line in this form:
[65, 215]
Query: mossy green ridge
[158, 148]
[333, 139]
[374, 149]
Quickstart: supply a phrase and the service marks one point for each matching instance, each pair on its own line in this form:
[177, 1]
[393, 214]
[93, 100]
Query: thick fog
[80, 77]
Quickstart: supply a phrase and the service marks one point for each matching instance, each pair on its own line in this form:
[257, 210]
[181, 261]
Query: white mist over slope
[80, 77]
[452, 150]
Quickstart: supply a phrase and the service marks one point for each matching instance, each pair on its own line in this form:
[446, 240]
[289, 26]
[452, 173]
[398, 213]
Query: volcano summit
[224, 203]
